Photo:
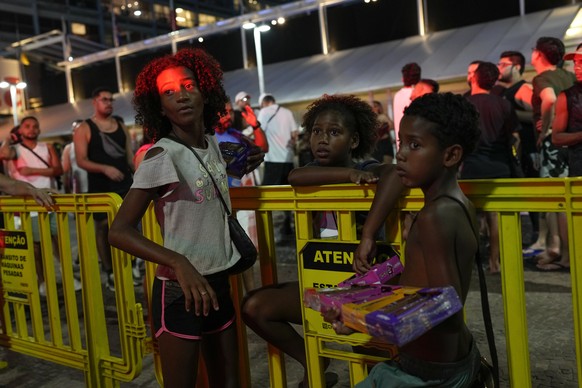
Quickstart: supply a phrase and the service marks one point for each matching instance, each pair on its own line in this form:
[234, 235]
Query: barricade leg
[243, 350]
[314, 362]
[513, 289]
[575, 229]
[268, 261]
[358, 372]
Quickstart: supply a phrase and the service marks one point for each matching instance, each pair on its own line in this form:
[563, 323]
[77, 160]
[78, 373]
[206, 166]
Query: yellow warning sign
[16, 261]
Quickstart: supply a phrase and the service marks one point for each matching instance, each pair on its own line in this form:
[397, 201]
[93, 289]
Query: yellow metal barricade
[508, 197]
[52, 330]
[66, 327]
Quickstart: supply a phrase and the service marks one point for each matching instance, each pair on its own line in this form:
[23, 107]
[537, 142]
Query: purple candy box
[403, 317]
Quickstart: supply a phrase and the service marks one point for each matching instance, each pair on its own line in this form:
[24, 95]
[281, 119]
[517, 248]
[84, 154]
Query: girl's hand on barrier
[359, 177]
[195, 287]
[363, 255]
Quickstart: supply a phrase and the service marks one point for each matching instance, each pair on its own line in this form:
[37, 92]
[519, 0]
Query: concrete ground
[550, 326]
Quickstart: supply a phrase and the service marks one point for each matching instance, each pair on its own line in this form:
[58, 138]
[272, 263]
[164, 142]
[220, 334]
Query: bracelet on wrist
[255, 127]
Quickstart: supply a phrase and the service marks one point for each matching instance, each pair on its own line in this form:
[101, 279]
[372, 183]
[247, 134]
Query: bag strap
[484, 297]
[105, 137]
[271, 118]
[178, 140]
[37, 155]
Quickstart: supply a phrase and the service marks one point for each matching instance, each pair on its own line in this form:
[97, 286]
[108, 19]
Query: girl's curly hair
[456, 119]
[358, 115]
[208, 77]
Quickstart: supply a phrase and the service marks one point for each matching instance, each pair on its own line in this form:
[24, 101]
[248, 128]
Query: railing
[83, 344]
[77, 335]
[507, 197]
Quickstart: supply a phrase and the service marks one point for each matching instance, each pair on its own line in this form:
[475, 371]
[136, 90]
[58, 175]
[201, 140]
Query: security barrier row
[68, 328]
[71, 329]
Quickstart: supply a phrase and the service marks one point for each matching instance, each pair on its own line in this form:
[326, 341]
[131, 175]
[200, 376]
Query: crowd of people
[502, 127]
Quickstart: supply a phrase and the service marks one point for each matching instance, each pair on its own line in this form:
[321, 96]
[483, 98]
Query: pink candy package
[324, 299]
[379, 274]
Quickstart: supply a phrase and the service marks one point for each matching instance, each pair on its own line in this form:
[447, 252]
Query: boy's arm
[388, 191]
[318, 175]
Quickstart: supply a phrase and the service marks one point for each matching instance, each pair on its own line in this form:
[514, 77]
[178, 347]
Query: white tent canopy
[442, 55]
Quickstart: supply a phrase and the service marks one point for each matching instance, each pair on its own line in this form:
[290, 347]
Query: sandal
[531, 252]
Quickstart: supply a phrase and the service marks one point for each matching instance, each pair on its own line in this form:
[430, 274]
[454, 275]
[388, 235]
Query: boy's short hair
[411, 74]
[456, 119]
[357, 113]
[552, 48]
[486, 75]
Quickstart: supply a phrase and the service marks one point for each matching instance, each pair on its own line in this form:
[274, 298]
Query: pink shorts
[170, 316]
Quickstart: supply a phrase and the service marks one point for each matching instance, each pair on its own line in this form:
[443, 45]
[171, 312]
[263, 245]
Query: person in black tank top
[102, 148]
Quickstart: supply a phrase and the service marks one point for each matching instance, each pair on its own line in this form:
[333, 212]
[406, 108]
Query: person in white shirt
[410, 77]
[281, 130]
[38, 164]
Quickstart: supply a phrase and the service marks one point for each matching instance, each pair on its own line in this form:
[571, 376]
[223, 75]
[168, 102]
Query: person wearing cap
[280, 127]
[242, 108]
[551, 79]
[242, 99]
[567, 132]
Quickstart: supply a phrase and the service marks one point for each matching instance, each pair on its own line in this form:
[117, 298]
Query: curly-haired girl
[340, 128]
[178, 99]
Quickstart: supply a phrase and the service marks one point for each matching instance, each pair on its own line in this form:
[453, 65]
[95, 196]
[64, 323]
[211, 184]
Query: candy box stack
[378, 274]
[357, 289]
[324, 299]
[404, 315]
